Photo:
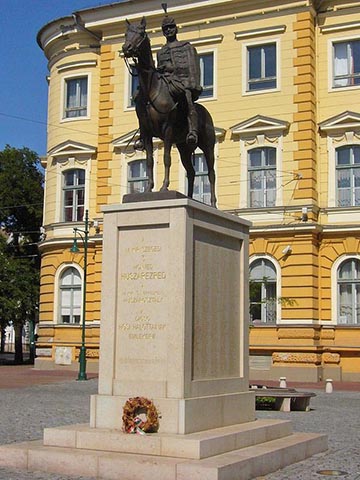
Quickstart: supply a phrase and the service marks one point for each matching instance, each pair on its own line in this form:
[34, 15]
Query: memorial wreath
[131, 420]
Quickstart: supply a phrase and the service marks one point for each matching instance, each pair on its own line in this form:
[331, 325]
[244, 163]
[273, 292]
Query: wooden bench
[286, 399]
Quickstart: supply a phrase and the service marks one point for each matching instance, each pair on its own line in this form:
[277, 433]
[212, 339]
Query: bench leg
[286, 405]
[302, 404]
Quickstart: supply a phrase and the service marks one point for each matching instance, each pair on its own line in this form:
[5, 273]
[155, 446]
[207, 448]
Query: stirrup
[139, 144]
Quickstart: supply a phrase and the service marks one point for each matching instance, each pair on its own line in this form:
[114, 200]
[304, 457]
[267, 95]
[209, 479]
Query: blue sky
[23, 92]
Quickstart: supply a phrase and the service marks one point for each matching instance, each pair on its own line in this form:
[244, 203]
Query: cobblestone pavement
[24, 412]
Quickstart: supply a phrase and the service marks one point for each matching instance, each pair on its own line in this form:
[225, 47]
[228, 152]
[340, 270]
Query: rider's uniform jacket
[180, 59]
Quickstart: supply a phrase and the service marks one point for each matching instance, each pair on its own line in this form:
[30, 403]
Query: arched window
[348, 281]
[74, 195]
[348, 176]
[263, 291]
[262, 177]
[70, 296]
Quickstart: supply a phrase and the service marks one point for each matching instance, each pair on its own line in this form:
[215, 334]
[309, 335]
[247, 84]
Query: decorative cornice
[344, 121]
[339, 27]
[260, 124]
[79, 64]
[70, 147]
[260, 32]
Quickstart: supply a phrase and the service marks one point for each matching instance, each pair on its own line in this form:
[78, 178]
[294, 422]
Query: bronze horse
[160, 115]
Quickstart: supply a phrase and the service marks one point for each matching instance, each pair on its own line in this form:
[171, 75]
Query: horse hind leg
[149, 164]
[185, 155]
[210, 162]
[167, 161]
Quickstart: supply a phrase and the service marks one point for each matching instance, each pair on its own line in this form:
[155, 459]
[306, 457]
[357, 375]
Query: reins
[148, 69]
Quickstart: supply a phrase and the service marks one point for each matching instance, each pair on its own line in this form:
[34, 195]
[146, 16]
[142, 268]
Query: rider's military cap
[168, 21]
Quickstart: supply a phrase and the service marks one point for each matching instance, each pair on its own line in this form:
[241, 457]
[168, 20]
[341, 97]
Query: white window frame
[331, 62]
[260, 141]
[136, 179]
[263, 169]
[334, 142]
[245, 66]
[350, 167]
[70, 163]
[57, 298]
[335, 320]
[203, 177]
[212, 52]
[127, 157]
[128, 89]
[63, 96]
[277, 267]
[182, 172]
[74, 188]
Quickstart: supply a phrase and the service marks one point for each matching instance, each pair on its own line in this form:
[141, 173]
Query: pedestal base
[180, 416]
[238, 452]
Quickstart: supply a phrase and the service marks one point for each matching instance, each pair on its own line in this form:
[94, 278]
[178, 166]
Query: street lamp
[84, 236]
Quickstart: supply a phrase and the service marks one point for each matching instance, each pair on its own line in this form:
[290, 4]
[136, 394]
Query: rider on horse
[179, 62]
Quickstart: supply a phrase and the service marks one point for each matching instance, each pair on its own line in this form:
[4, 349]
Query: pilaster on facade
[305, 102]
[106, 107]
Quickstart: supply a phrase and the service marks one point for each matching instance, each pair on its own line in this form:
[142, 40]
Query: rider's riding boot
[192, 136]
[139, 144]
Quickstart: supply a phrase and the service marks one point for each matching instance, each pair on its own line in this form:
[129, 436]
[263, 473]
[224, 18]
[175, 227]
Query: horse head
[134, 37]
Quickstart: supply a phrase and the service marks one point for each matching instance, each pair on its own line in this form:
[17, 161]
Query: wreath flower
[131, 420]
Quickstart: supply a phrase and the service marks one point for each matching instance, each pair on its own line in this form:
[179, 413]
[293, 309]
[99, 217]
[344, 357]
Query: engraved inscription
[142, 269]
[143, 276]
[138, 296]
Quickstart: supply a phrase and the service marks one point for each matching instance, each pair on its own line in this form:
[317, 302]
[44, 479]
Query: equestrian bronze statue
[166, 102]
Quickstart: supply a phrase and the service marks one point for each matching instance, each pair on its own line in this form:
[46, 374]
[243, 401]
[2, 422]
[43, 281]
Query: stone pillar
[174, 325]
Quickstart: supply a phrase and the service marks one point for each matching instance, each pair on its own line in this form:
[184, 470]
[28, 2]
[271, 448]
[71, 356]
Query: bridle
[148, 68]
[135, 53]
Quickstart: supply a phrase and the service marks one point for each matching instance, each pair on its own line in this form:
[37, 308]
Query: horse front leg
[149, 163]
[167, 164]
[213, 199]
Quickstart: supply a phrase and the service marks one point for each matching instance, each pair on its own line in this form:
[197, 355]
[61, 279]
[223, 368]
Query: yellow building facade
[282, 83]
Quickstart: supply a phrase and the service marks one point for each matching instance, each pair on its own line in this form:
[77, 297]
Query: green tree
[21, 202]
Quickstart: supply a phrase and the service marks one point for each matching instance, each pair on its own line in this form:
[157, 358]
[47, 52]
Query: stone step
[244, 464]
[255, 461]
[194, 445]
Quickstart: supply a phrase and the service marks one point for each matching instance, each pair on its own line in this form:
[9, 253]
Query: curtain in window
[70, 296]
[349, 292]
[263, 301]
[201, 191]
[341, 64]
[207, 74]
[137, 177]
[343, 185]
[76, 97]
[74, 195]
[262, 177]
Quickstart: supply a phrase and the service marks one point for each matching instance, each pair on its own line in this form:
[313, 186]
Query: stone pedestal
[173, 329]
[174, 324]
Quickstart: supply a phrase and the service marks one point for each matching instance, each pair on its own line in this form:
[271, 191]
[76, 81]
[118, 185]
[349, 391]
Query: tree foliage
[21, 192]
[21, 200]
